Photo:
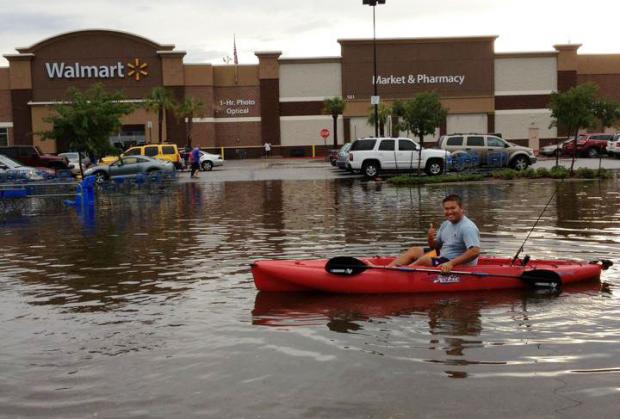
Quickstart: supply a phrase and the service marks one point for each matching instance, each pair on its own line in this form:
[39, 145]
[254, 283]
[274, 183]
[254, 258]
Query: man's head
[453, 208]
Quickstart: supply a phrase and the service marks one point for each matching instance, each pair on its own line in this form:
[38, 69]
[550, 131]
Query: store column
[20, 79]
[269, 78]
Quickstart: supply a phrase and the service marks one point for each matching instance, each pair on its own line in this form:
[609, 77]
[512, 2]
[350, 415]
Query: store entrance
[128, 136]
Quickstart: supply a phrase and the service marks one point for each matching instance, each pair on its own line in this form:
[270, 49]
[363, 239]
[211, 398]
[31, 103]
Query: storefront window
[4, 136]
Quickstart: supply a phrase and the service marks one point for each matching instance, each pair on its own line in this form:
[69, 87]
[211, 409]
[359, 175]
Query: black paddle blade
[345, 265]
[541, 279]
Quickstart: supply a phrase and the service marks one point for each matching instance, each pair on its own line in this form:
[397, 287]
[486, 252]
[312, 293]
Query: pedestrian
[267, 149]
[195, 160]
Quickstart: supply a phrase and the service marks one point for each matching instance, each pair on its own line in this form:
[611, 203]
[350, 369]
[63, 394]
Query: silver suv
[613, 146]
[370, 156]
[488, 149]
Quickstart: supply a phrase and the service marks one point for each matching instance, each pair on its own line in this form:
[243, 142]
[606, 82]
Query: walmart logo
[138, 69]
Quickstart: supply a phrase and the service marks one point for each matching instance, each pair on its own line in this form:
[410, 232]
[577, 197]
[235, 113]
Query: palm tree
[334, 106]
[384, 112]
[187, 109]
[160, 100]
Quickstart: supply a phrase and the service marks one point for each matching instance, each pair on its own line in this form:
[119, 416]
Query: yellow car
[166, 152]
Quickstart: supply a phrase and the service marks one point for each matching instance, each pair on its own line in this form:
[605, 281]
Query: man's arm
[469, 255]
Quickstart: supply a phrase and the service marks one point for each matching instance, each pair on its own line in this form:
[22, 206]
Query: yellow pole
[222, 153]
[313, 151]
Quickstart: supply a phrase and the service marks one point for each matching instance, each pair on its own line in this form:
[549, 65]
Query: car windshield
[12, 164]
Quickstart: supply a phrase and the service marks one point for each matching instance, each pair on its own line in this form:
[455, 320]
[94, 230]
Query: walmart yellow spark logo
[137, 69]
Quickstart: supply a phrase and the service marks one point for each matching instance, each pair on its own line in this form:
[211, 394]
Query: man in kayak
[457, 242]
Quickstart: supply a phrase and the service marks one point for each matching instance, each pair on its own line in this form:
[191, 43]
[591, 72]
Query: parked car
[332, 155]
[207, 160]
[74, 161]
[370, 156]
[129, 166]
[166, 151]
[343, 156]
[30, 155]
[10, 168]
[588, 145]
[485, 146]
[553, 149]
[613, 146]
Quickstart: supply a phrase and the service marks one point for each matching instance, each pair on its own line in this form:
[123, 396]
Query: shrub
[558, 172]
[405, 180]
[542, 172]
[586, 173]
[504, 174]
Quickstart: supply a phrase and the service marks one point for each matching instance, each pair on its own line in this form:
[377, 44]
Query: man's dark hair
[454, 198]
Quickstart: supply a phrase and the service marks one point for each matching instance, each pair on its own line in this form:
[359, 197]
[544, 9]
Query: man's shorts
[438, 261]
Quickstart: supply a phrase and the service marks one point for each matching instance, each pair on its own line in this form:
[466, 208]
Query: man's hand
[446, 267]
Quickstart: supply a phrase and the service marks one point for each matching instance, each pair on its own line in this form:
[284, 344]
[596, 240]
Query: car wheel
[520, 163]
[434, 167]
[592, 152]
[101, 177]
[207, 166]
[370, 169]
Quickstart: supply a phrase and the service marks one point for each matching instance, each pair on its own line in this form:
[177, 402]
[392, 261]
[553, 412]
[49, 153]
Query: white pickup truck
[371, 156]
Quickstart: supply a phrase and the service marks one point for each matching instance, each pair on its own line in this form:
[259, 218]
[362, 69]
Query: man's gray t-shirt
[455, 239]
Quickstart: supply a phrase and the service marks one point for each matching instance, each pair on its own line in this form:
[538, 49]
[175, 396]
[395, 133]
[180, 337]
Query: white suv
[613, 146]
[370, 156]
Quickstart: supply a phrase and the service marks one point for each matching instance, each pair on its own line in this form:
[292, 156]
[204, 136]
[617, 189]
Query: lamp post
[375, 99]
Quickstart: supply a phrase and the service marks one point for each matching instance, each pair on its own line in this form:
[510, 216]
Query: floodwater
[147, 308]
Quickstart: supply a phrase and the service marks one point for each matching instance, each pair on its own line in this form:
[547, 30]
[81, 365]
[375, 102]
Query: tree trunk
[160, 120]
[572, 163]
[382, 128]
[335, 117]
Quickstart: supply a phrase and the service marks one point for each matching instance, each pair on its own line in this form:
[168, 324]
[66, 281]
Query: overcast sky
[205, 28]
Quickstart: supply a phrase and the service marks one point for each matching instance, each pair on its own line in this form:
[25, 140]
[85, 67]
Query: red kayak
[372, 276]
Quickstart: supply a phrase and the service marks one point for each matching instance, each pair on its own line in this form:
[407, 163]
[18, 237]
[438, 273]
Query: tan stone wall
[20, 74]
[39, 125]
[305, 130]
[316, 80]
[598, 64]
[526, 75]
[172, 70]
[466, 123]
[516, 124]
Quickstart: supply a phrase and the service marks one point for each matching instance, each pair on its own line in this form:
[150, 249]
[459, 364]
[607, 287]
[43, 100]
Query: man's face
[453, 211]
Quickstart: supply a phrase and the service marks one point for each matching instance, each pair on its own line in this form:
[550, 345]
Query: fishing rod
[514, 259]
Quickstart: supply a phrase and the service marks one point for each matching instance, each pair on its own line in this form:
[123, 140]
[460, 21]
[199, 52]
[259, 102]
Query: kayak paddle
[349, 266]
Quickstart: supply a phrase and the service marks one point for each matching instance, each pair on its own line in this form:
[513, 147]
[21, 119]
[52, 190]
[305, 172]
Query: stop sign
[324, 133]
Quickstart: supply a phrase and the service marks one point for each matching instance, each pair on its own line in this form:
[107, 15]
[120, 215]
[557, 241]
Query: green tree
[421, 116]
[607, 112]
[187, 109]
[574, 109]
[334, 106]
[86, 121]
[383, 114]
[160, 100]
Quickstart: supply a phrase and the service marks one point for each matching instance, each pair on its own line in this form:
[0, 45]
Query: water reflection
[161, 282]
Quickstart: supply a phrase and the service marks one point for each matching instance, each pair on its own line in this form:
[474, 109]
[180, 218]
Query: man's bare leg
[407, 257]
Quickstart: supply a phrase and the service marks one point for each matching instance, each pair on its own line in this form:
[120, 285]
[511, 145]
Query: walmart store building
[279, 100]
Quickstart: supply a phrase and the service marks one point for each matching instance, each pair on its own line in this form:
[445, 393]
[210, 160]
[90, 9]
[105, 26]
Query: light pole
[375, 99]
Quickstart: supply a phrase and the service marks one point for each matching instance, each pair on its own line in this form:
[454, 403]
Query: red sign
[324, 133]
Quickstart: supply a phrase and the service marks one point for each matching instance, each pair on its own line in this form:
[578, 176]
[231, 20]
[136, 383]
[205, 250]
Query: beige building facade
[280, 100]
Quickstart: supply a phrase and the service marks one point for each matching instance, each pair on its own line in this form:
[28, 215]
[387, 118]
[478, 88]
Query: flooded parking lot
[147, 308]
